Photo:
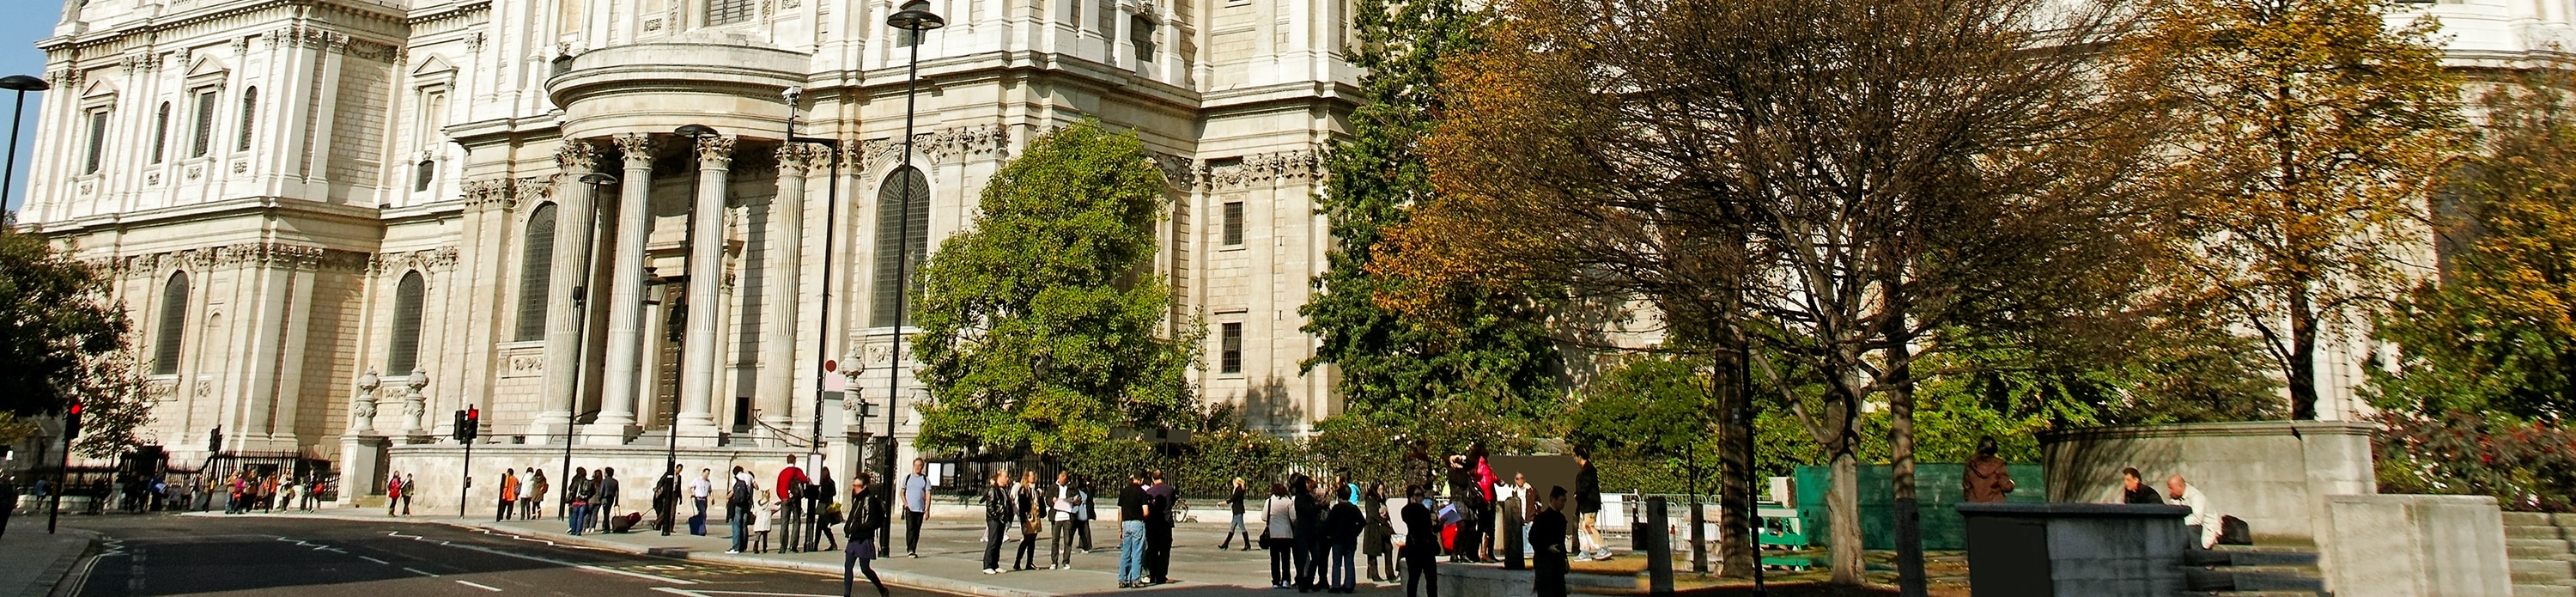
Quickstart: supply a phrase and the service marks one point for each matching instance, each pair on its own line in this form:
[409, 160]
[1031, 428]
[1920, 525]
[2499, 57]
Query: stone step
[2543, 572]
[2536, 552]
[2253, 578]
[2543, 591]
[2526, 518]
[2258, 594]
[2553, 545]
[2536, 531]
[2251, 557]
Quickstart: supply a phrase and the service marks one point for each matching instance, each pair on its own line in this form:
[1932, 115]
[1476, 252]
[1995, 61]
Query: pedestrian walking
[576, 498]
[1085, 512]
[1158, 529]
[393, 494]
[8, 500]
[1061, 512]
[536, 496]
[666, 500]
[604, 501]
[1463, 495]
[1279, 535]
[1421, 546]
[1133, 506]
[829, 512]
[1030, 511]
[1311, 508]
[1343, 526]
[1587, 507]
[509, 495]
[738, 508]
[791, 489]
[916, 506]
[411, 486]
[1547, 538]
[1374, 541]
[698, 492]
[997, 517]
[1234, 501]
[865, 517]
[1989, 478]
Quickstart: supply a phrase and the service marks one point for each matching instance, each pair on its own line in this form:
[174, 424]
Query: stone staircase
[2247, 571]
[2538, 548]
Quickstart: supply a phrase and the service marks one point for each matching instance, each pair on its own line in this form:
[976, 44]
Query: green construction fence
[1937, 487]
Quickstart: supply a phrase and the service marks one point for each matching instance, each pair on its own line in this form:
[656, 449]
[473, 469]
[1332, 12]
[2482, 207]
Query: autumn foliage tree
[2313, 135]
[1839, 183]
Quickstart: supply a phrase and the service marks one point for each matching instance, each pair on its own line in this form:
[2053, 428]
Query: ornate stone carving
[427, 260]
[474, 42]
[489, 193]
[1178, 172]
[798, 157]
[577, 156]
[1262, 168]
[870, 154]
[414, 403]
[155, 265]
[636, 147]
[525, 365]
[362, 413]
[962, 143]
[716, 149]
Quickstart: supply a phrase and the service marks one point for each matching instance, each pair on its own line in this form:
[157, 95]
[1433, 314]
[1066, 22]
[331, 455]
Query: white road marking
[480, 586]
[547, 560]
[375, 560]
[713, 593]
[419, 572]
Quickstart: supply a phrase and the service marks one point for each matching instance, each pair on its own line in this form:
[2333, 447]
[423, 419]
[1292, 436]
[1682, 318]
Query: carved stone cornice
[717, 150]
[265, 255]
[489, 193]
[577, 156]
[963, 143]
[534, 188]
[636, 147]
[427, 260]
[1291, 166]
[1179, 172]
[797, 158]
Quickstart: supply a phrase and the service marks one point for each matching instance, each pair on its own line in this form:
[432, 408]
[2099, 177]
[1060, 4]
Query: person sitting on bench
[2203, 519]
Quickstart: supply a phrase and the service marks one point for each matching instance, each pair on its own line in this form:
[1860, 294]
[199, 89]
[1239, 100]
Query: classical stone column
[626, 290]
[778, 366]
[697, 423]
[574, 220]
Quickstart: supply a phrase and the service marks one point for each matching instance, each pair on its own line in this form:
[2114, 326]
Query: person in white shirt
[2203, 518]
[1060, 512]
[699, 490]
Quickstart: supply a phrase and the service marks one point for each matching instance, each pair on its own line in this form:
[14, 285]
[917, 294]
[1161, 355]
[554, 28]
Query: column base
[698, 429]
[608, 433]
[548, 427]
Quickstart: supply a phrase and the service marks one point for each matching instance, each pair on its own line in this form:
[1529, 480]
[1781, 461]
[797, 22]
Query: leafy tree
[54, 318]
[2312, 136]
[1838, 181]
[116, 404]
[2497, 331]
[1043, 328]
[1395, 368]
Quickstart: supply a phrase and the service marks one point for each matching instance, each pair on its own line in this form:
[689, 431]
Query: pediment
[98, 87]
[206, 67]
[432, 66]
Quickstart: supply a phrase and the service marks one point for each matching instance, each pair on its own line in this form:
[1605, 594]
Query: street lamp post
[21, 84]
[918, 22]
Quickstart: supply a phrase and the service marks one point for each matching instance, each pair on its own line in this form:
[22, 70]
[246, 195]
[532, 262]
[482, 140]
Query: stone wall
[2275, 475]
[2414, 546]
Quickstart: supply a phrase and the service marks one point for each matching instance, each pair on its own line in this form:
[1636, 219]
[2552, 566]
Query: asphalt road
[284, 557]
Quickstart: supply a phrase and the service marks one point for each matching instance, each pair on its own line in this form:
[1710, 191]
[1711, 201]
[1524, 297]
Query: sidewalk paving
[951, 557]
[37, 561]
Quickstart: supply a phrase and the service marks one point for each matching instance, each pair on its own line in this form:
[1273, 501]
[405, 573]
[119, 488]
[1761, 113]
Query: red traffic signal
[76, 408]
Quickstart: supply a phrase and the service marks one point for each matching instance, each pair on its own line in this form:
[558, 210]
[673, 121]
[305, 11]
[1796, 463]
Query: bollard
[1659, 548]
[1513, 558]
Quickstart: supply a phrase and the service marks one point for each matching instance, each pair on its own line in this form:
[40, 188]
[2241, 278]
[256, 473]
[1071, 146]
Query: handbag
[832, 514]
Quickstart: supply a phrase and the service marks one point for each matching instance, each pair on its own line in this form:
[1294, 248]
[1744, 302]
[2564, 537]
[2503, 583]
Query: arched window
[1140, 31]
[427, 171]
[405, 350]
[727, 12]
[906, 38]
[174, 325]
[536, 270]
[899, 233]
[160, 132]
[249, 115]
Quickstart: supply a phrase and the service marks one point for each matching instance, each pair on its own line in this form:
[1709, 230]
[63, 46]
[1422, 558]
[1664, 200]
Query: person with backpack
[576, 498]
[738, 509]
[1421, 546]
[865, 517]
[791, 494]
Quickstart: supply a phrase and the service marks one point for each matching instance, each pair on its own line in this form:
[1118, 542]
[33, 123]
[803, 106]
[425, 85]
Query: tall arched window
[174, 325]
[160, 132]
[899, 233]
[249, 115]
[427, 171]
[404, 352]
[536, 270]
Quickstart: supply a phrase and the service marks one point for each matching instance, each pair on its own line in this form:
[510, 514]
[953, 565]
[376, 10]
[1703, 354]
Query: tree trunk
[2303, 356]
[1843, 506]
[1736, 549]
[1909, 517]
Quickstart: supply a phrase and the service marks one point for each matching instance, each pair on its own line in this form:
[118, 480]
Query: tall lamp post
[21, 84]
[919, 22]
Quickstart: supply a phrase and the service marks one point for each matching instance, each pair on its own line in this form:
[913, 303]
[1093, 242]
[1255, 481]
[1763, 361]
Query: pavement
[951, 557]
[36, 561]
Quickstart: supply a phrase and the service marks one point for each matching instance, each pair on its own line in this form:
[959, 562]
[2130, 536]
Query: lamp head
[597, 179]
[695, 131]
[23, 83]
[792, 94]
[915, 20]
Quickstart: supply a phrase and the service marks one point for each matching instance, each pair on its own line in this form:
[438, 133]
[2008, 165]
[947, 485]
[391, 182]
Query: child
[766, 519]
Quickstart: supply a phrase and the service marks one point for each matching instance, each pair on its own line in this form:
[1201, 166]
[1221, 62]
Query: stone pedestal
[2275, 475]
[2090, 550]
[360, 471]
[2415, 546]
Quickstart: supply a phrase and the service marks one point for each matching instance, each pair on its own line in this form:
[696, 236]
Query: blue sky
[22, 24]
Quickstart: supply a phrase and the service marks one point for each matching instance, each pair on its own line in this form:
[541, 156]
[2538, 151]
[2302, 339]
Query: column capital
[637, 147]
[577, 156]
[716, 151]
[801, 156]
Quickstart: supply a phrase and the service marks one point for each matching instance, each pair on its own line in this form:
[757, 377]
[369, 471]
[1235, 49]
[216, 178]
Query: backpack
[741, 497]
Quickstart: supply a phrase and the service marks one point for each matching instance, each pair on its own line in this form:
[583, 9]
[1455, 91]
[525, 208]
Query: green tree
[116, 404]
[2496, 332]
[2313, 135]
[54, 318]
[1043, 328]
[1494, 356]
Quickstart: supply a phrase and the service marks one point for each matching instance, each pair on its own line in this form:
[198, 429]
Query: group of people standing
[1023, 506]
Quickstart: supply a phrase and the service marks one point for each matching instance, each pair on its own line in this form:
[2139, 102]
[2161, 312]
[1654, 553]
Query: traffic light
[72, 422]
[458, 433]
[473, 423]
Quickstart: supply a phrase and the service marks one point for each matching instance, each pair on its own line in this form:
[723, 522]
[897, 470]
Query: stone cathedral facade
[335, 222]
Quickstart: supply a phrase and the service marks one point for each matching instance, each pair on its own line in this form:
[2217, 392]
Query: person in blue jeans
[1342, 538]
[1133, 507]
[577, 495]
[738, 509]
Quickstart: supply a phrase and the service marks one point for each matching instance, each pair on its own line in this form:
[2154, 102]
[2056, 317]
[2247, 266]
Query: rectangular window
[727, 12]
[1230, 352]
[205, 136]
[97, 142]
[1234, 224]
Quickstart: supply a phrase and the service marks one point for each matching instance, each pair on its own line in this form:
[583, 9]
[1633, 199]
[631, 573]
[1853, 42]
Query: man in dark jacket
[607, 503]
[1587, 508]
[1342, 530]
[1988, 478]
[2134, 492]
[1421, 546]
[1158, 530]
[1469, 499]
[1310, 552]
[997, 517]
[1547, 536]
[1133, 507]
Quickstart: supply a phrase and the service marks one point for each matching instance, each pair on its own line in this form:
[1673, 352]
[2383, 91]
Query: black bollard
[1513, 558]
[1659, 548]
